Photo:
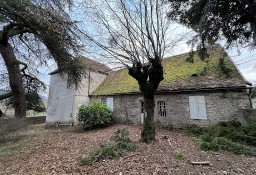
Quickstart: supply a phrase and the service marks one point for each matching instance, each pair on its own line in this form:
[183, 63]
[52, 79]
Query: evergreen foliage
[227, 136]
[33, 32]
[253, 92]
[213, 19]
[94, 115]
[33, 102]
[122, 143]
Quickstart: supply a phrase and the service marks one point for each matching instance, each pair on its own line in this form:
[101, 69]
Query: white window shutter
[110, 103]
[201, 107]
[193, 107]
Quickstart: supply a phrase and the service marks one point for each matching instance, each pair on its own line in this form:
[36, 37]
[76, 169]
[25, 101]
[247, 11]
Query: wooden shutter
[197, 107]
[193, 107]
[110, 103]
[201, 107]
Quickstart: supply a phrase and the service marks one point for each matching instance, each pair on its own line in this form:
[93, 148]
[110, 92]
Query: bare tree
[31, 32]
[135, 33]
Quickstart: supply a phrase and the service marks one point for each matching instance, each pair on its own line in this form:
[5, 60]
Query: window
[104, 101]
[107, 102]
[161, 109]
[142, 107]
[68, 82]
[110, 104]
[142, 112]
[197, 107]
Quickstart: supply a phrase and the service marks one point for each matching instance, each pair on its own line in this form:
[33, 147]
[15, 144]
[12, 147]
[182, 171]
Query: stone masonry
[220, 106]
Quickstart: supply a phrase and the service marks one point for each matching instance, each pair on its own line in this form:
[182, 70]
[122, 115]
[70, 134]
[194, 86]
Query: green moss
[178, 73]
[118, 82]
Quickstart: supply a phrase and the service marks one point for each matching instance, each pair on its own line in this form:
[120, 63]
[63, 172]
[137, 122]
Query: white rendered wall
[64, 102]
[60, 100]
[86, 87]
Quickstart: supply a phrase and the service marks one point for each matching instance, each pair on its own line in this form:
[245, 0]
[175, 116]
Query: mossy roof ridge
[180, 74]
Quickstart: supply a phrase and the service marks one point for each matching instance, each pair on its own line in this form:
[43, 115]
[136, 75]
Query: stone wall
[220, 106]
[246, 116]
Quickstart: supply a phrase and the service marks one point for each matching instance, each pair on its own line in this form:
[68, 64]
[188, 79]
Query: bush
[179, 156]
[195, 130]
[229, 145]
[122, 144]
[227, 136]
[94, 115]
[250, 130]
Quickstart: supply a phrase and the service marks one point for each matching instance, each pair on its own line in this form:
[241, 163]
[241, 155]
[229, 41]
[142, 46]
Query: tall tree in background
[31, 32]
[234, 20]
[134, 33]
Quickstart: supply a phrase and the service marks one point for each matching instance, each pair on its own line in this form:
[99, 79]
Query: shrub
[250, 130]
[229, 145]
[228, 136]
[94, 115]
[195, 130]
[179, 156]
[122, 139]
[122, 144]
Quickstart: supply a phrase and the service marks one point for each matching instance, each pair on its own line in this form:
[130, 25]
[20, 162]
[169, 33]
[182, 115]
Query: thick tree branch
[5, 95]
[11, 30]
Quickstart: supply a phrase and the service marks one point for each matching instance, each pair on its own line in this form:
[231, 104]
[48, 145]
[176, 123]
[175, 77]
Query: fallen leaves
[56, 151]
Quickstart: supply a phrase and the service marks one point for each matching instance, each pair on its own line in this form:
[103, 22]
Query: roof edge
[182, 90]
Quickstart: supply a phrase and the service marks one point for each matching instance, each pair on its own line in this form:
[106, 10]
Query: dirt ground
[57, 151]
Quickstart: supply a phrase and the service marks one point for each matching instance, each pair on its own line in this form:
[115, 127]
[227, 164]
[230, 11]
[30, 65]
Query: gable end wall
[60, 100]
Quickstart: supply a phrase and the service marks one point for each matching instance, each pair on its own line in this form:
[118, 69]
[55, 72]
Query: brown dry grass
[56, 151]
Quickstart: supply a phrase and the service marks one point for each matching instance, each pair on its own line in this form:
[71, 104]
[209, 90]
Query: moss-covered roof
[179, 75]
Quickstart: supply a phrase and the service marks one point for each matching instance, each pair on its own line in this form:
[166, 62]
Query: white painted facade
[64, 101]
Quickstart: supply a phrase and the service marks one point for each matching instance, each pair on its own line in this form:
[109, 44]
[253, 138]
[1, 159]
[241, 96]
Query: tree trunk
[15, 80]
[148, 130]
[148, 76]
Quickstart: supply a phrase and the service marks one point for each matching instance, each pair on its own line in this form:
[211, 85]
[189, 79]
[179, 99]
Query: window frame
[142, 109]
[103, 101]
[161, 108]
[197, 108]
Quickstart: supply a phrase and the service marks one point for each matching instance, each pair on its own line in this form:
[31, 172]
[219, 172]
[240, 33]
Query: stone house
[64, 100]
[192, 92]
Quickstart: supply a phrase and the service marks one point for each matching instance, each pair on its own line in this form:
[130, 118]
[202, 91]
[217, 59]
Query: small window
[197, 107]
[142, 107]
[107, 102]
[161, 109]
[104, 101]
[68, 82]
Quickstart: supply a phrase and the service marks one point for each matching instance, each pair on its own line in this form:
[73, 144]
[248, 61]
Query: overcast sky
[245, 60]
[246, 63]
